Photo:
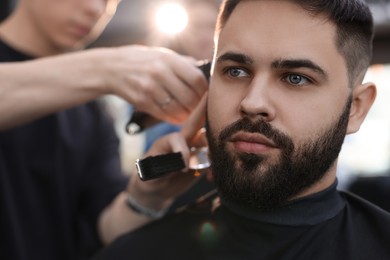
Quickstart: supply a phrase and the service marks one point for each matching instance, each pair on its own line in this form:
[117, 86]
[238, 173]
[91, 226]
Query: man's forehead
[273, 12]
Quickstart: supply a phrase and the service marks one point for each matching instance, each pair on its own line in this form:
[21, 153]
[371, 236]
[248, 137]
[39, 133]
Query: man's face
[68, 24]
[278, 103]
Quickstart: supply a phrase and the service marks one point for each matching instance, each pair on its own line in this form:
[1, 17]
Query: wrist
[139, 208]
[148, 195]
[101, 62]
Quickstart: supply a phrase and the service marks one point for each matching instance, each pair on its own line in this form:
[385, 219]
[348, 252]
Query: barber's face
[68, 24]
[278, 104]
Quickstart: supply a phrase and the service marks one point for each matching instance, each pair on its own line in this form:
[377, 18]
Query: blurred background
[134, 21]
[364, 153]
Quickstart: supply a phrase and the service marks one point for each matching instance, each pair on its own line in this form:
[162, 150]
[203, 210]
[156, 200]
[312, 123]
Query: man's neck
[328, 180]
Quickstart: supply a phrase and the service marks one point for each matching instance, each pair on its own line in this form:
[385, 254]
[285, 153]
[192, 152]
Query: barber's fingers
[182, 84]
[157, 81]
[187, 71]
[182, 140]
[195, 121]
[163, 94]
[200, 139]
[173, 142]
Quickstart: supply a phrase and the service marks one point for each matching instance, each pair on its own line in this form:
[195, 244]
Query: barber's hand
[161, 192]
[157, 81]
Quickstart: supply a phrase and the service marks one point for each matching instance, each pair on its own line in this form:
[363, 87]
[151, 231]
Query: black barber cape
[325, 226]
[57, 173]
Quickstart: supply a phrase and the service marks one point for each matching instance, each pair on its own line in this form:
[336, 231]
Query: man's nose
[258, 101]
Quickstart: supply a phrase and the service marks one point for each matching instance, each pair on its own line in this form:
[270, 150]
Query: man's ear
[363, 97]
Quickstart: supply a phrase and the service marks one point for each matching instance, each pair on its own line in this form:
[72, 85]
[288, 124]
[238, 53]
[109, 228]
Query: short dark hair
[354, 22]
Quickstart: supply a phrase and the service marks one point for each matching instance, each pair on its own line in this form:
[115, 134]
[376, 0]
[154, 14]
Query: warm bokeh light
[171, 18]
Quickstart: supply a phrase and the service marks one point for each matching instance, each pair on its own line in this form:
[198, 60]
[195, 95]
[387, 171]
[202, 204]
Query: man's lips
[80, 30]
[251, 143]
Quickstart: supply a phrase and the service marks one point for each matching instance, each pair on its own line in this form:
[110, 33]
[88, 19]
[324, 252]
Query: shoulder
[362, 230]
[375, 189]
[362, 206]
[367, 218]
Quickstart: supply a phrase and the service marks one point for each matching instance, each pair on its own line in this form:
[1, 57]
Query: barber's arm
[157, 81]
[153, 195]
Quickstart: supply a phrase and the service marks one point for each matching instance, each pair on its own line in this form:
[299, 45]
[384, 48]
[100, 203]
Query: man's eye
[296, 79]
[237, 72]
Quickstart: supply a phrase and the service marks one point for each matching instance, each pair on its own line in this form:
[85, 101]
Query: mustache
[259, 126]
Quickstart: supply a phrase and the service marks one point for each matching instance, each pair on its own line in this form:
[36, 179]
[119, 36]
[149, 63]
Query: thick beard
[251, 180]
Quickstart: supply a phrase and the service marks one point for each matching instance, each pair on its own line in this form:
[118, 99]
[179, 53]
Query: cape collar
[309, 210]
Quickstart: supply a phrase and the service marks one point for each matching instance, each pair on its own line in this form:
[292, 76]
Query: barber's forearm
[33, 89]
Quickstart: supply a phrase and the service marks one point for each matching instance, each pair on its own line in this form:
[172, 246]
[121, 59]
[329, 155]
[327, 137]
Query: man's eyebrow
[235, 57]
[299, 63]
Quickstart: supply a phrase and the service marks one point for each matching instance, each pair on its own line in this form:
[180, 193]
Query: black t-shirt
[325, 226]
[56, 175]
